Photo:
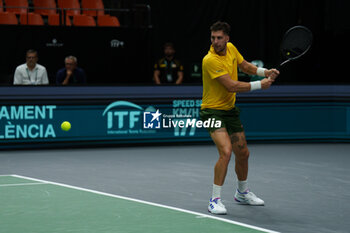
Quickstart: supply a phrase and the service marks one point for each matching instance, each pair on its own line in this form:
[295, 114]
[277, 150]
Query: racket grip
[274, 78]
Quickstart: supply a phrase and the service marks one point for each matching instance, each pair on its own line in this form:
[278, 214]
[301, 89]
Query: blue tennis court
[166, 189]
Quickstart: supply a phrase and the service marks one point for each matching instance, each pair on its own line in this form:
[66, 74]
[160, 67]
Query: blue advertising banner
[125, 122]
[120, 121]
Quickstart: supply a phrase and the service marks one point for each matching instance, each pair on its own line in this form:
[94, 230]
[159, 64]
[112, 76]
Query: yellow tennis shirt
[215, 95]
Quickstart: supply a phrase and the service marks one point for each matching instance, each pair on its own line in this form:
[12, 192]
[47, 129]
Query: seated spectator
[168, 69]
[70, 74]
[31, 73]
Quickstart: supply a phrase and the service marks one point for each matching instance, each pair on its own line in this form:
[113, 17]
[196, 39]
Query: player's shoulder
[210, 58]
[40, 66]
[161, 60]
[61, 71]
[230, 46]
[79, 69]
[21, 67]
[177, 61]
[211, 61]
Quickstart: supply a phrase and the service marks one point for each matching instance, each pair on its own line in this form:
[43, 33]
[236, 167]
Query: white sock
[242, 186]
[216, 191]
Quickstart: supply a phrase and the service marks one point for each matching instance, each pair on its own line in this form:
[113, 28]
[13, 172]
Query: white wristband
[256, 85]
[260, 72]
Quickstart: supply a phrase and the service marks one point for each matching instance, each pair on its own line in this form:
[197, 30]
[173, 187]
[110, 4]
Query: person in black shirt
[168, 69]
[70, 74]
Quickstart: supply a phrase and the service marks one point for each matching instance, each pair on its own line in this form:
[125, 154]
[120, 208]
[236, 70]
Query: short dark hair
[32, 51]
[221, 26]
[168, 44]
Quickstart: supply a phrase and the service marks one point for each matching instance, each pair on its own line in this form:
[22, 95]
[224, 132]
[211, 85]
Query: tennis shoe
[216, 207]
[248, 198]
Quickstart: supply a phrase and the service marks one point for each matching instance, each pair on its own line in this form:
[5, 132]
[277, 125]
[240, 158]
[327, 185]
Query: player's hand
[272, 73]
[266, 83]
[69, 73]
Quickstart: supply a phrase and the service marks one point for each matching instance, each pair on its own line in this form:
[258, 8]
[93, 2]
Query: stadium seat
[83, 20]
[107, 21]
[8, 18]
[1, 6]
[93, 4]
[74, 6]
[54, 20]
[31, 19]
[49, 5]
[11, 6]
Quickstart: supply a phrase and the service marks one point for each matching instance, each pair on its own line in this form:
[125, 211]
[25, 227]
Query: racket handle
[277, 70]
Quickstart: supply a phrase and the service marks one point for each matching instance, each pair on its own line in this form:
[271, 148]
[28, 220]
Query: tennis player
[220, 85]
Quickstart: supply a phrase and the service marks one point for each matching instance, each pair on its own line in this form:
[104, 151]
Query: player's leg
[240, 149]
[222, 142]
[239, 146]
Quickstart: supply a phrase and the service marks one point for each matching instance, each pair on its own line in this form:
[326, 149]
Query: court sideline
[305, 186]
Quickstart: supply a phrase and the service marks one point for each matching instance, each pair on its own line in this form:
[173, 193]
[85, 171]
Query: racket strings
[296, 42]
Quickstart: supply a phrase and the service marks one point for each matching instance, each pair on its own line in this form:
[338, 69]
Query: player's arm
[68, 76]
[17, 80]
[156, 75]
[45, 80]
[251, 69]
[237, 86]
[180, 73]
[180, 77]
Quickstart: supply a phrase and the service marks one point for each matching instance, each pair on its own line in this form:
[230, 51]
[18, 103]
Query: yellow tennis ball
[288, 53]
[65, 126]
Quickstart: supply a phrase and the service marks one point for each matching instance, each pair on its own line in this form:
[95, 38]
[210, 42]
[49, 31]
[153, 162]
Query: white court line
[19, 184]
[5, 175]
[149, 203]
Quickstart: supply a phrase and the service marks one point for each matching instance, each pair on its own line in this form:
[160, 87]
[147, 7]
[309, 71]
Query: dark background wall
[104, 63]
[257, 29]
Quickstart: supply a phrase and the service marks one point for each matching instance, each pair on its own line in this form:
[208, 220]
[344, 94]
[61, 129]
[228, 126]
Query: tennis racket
[295, 43]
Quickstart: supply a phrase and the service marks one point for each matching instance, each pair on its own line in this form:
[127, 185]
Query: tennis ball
[288, 53]
[65, 126]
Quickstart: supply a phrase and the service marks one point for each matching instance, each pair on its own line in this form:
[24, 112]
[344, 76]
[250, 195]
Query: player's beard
[220, 49]
[31, 65]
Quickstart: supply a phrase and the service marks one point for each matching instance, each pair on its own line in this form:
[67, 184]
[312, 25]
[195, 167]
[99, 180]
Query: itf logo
[151, 120]
[123, 115]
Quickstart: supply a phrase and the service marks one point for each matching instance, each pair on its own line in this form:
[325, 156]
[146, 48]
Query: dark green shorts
[229, 119]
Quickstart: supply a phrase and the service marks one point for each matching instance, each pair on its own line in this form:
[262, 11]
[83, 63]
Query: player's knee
[243, 154]
[225, 154]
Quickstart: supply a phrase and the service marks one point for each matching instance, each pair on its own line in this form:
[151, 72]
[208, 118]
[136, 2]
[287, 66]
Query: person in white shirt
[31, 73]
